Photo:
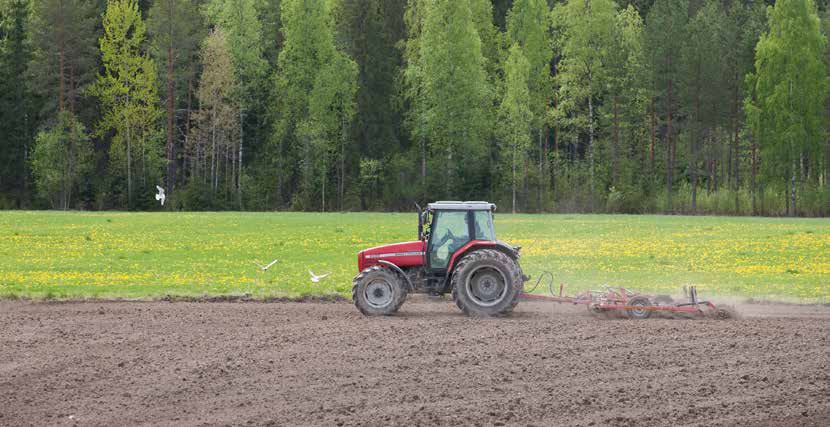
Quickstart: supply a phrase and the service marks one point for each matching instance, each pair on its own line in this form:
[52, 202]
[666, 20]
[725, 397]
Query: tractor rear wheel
[487, 282]
[638, 313]
[378, 291]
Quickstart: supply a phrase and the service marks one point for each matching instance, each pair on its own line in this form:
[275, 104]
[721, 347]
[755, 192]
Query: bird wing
[258, 264]
[312, 274]
[161, 190]
[271, 264]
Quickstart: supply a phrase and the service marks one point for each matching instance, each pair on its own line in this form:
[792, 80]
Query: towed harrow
[634, 305]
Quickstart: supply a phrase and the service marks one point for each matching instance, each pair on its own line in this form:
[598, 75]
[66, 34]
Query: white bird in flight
[160, 196]
[266, 267]
[315, 278]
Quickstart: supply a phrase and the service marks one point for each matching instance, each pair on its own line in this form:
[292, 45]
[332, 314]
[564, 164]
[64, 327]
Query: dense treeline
[704, 106]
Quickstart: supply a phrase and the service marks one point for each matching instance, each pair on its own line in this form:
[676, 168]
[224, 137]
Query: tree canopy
[671, 106]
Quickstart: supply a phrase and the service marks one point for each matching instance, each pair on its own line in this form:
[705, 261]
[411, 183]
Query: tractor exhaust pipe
[420, 221]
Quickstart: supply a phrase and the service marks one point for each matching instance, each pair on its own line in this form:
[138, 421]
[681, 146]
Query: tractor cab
[449, 228]
[456, 252]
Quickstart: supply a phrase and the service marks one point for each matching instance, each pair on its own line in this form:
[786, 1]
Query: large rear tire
[486, 283]
[378, 291]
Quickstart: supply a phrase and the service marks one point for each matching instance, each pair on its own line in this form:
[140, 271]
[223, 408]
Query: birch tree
[455, 91]
[215, 141]
[587, 29]
[515, 116]
[61, 160]
[790, 83]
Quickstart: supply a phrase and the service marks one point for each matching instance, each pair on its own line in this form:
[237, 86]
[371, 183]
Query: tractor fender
[472, 245]
[478, 244]
[398, 269]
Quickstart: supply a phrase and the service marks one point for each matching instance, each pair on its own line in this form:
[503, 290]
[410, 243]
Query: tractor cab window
[449, 232]
[484, 225]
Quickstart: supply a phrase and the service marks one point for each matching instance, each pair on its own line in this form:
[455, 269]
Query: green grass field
[148, 255]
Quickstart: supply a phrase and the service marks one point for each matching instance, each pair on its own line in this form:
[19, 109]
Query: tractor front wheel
[487, 282]
[378, 291]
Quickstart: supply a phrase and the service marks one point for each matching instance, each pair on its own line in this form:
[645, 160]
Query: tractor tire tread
[514, 273]
[400, 299]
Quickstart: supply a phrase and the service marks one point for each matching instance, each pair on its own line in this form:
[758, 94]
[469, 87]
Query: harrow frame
[616, 299]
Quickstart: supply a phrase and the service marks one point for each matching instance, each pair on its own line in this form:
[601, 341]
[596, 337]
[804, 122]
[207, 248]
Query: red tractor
[456, 252]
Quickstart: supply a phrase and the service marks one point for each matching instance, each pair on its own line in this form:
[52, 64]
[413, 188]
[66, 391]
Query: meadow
[153, 255]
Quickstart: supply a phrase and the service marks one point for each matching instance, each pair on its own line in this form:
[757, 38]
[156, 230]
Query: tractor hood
[406, 254]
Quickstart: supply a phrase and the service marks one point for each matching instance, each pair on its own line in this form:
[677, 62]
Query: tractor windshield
[484, 226]
[450, 231]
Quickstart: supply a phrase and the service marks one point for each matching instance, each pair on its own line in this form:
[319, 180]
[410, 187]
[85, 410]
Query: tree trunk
[736, 171]
[754, 167]
[694, 143]
[515, 149]
[213, 163]
[450, 167]
[70, 91]
[792, 204]
[540, 179]
[615, 145]
[239, 159]
[343, 138]
[129, 156]
[591, 147]
[653, 135]
[61, 62]
[424, 168]
[669, 149]
[543, 180]
[826, 175]
[171, 154]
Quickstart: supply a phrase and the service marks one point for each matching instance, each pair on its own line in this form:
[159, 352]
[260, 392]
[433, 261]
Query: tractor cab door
[450, 231]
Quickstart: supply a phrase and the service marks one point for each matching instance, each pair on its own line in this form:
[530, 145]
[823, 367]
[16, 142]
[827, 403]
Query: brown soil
[189, 363]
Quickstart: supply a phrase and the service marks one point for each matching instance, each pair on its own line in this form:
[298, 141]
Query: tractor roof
[461, 206]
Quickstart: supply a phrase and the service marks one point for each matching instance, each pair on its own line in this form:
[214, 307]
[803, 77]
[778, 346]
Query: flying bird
[160, 195]
[266, 267]
[315, 278]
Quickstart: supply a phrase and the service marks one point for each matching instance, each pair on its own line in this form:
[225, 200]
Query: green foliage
[527, 25]
[240, 21]
[455, 92]
[516, 115]
[790, 86]
[15, 103]
[586, 33]
[65, 57]
[61, 161]
[175, 28]
[127, 90]
[626, 99]
[214, 142]
[318, 85]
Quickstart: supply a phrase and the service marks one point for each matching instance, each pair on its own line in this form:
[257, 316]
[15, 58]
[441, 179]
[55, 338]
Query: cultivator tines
[633, 305]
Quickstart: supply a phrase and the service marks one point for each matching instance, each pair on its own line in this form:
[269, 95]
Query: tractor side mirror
[420, 222]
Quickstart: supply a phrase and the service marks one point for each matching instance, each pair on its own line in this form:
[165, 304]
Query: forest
[641, 106]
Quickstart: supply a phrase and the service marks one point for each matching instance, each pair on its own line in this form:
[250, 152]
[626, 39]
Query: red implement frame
[618, 299]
